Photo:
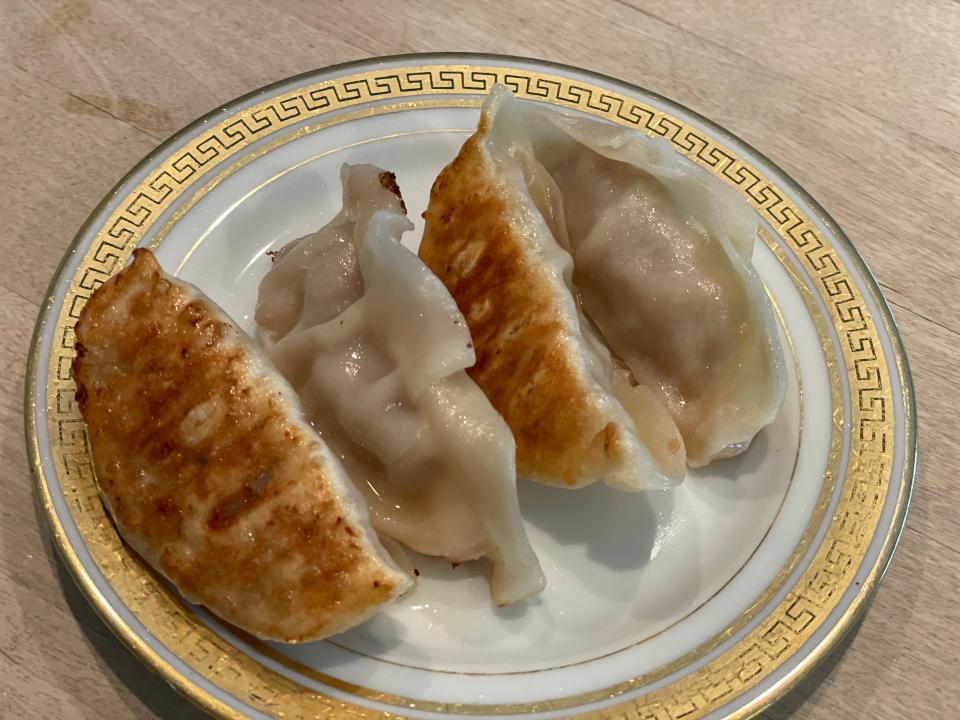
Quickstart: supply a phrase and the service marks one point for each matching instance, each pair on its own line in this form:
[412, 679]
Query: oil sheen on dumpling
[662, 265]
[376, 348]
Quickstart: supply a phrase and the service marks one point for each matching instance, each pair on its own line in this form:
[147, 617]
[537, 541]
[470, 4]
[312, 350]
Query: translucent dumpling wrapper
[377, 349]
[490, 237]
[653, 250]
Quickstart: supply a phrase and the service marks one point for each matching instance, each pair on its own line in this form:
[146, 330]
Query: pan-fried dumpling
[661, 253]
[489, 237]
[377, 350]
[211, 473]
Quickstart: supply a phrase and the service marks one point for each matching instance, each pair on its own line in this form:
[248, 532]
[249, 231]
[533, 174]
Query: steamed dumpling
[316, 277]
[376, 348]
[661, 256]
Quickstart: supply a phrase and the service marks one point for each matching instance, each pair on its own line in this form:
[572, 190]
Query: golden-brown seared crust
[208, 470]
[524, 363]
[388, 181]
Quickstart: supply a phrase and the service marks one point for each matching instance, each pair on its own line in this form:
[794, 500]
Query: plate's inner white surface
[645, 577]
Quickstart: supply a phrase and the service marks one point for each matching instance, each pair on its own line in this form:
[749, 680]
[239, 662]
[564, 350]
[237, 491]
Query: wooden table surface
[858, 101]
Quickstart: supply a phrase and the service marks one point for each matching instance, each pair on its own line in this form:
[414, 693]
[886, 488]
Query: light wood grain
[860, 102]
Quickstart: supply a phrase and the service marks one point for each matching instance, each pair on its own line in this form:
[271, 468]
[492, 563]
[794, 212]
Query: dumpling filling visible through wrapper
[561, 237]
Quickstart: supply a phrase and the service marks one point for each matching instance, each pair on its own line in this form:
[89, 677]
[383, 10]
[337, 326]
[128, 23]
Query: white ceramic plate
[707, 600]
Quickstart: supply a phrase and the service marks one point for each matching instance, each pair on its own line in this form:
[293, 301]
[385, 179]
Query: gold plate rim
[194, 692]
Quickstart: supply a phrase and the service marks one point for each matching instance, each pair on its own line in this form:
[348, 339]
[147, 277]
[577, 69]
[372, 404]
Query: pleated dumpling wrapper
[555, 234]
[376, 348]
[205, 462]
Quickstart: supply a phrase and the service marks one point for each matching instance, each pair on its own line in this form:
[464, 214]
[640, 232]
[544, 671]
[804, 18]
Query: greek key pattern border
[740, 668]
